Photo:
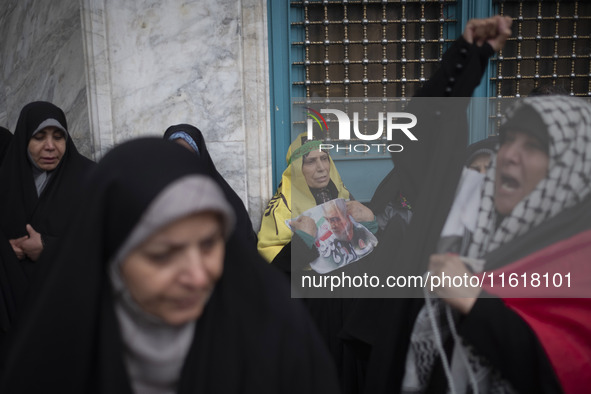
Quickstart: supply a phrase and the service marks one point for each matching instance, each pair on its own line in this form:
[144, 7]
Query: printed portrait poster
[340, 240]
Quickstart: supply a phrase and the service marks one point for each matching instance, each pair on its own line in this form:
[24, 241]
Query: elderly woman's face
[316, 169]
[173, 273]
[47, 147]
[522, 162]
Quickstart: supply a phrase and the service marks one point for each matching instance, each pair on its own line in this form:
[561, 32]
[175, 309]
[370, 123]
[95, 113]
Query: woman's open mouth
[509, 183]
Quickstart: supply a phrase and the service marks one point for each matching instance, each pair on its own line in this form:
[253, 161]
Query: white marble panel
[256, 107]
[230, 160]
[98, 75]
[174, 62]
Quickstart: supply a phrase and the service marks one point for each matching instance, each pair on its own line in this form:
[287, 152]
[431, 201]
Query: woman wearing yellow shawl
[310, 179]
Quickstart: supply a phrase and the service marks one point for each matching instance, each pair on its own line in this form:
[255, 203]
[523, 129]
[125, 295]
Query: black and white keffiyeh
[568, 123]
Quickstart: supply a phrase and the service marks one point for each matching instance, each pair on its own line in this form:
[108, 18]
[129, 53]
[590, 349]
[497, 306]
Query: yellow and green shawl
[293, 196]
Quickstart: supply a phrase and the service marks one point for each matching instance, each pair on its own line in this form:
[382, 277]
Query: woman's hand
[305, 224]
[494, 30]
[32, 246]
[17, 246]
[359, 212]
[446, 266]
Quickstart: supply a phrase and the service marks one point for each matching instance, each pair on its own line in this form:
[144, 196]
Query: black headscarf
[243, 223]
[20, 204]
[251, 337]
[5, 138]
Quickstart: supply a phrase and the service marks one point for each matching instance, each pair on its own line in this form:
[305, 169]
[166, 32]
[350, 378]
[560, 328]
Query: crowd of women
[137, 275]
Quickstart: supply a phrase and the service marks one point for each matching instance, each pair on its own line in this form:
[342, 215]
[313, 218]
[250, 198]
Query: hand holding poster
[339, 239]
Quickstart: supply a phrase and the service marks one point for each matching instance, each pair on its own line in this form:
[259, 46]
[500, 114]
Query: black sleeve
[37, 270]
[49, 241]
[422, 174]
[461, 70]
[442, 124]
[510, 345]
[429, 168]
[32, 268]
[295, 254]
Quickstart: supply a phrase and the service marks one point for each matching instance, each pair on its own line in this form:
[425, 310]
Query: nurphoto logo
[395, 122]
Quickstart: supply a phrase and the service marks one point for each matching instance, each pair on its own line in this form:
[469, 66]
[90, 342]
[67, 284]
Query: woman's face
[47, 147]
[184, 144]
[522, 162]
[340, 224]
[316, 169]
[173, 273]
[481, 163]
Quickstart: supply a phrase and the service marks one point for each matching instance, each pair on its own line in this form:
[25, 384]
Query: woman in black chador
[41, 177]
[191, 138]
[155, 293]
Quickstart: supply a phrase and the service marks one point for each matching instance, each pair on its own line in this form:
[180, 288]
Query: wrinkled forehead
[315, 153]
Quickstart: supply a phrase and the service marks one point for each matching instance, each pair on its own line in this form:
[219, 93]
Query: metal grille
[369, 48]
[550, 47]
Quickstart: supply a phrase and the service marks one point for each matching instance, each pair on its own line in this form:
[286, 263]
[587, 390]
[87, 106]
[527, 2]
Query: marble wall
[42, 58]
[154, 63]
[123, 69]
